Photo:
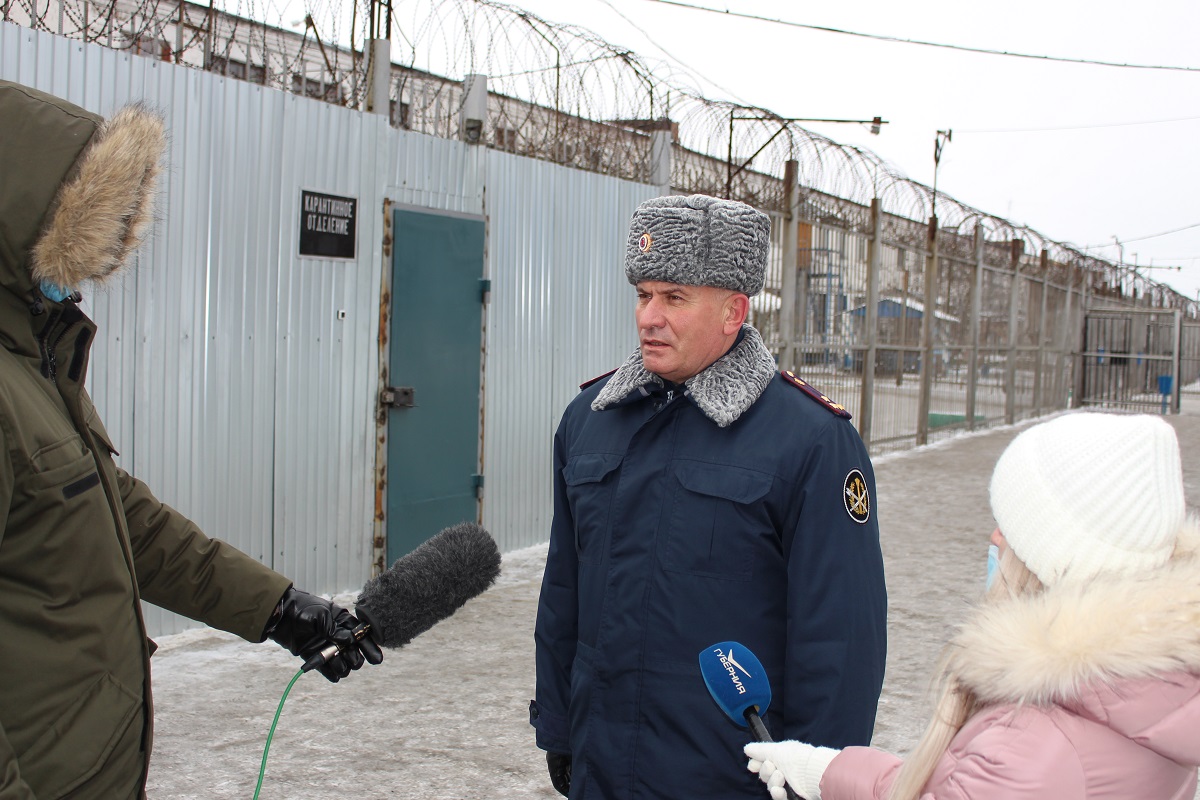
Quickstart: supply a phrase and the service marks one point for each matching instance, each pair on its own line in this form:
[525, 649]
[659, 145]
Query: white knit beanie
[1088, 493]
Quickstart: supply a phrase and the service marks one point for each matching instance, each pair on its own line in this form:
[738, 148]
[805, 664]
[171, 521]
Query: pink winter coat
[1093, 692]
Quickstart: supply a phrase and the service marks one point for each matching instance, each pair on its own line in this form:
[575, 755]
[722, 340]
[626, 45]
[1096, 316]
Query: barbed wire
[557, 92]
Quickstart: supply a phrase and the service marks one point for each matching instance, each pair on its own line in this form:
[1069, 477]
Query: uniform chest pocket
[591, 479]
[718, 522]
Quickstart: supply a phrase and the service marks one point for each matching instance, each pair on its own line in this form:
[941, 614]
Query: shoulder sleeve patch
[586, 384]
[820, 397]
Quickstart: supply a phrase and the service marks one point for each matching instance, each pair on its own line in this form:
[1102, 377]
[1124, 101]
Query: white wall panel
[428, 172]
[323, 396]
[561, 313]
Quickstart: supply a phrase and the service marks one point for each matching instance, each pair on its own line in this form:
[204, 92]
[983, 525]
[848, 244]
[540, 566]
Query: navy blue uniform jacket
[672, 533]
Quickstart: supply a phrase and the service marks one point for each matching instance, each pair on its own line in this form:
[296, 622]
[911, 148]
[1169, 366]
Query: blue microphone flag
[736, 680]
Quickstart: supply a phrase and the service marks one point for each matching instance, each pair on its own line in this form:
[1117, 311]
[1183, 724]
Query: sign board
[328, 225]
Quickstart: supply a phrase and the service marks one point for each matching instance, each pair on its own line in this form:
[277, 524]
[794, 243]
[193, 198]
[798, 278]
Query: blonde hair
[955, 703]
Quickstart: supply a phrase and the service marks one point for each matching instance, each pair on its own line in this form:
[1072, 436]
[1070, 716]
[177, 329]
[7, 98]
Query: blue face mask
[993, 564]
[54, 292]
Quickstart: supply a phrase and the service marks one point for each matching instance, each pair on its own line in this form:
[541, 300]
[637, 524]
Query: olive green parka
[81, 541]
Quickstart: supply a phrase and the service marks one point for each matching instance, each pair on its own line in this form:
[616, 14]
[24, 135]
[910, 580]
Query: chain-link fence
[918, 348]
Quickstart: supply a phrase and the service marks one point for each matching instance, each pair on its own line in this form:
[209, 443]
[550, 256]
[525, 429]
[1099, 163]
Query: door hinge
[398, 397]
[485, 290]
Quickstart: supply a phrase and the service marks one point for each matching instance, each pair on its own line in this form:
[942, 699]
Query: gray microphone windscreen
[429, 584]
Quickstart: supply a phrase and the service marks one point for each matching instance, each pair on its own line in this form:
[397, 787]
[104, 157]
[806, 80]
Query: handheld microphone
[738, 683]
[423, 588]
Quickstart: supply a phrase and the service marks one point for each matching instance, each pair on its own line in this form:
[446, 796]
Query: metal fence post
[379, 79]
[787, 287]
[1064, 350]
[1038, 384]
[874, 258]
[929, 290]
[1080, 338]
[976, 310]
[1176, 367]
[900, 260]
[801, 323]
[1010, 373]
[179, 23]
[661, 141]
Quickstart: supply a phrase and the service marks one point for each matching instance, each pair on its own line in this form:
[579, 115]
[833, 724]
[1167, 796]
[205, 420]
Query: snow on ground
[445, 718]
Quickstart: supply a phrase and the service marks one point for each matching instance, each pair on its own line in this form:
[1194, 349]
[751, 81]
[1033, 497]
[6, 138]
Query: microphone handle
[763, 735]
[322, 656]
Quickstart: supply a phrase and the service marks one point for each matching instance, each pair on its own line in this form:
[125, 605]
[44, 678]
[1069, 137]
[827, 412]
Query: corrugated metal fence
[561, 313]
[241, 381]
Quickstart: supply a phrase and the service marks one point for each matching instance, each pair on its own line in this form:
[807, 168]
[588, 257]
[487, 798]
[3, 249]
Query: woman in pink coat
[1079, 674]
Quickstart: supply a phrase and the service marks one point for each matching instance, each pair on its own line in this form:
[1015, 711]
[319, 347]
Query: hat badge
[645, 242]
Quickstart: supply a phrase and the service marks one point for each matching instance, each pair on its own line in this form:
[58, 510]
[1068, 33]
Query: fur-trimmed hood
[723, 390]
[78, 191]
[1050, 648]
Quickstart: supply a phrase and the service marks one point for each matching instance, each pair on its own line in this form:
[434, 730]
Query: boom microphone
[423, 588]
[738, 683]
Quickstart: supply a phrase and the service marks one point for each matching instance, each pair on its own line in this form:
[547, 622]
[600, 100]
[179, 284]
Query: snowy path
[445, 717]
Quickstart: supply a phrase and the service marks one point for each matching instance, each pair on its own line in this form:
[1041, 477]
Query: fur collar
[103, 212]
[723, 390]
[1044, 649]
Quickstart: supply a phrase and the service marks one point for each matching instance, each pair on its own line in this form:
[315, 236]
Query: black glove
[559, 765]
[306, 624]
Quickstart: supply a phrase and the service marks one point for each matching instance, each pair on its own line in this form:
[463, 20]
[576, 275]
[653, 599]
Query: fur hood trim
[1046, 648]
[103, 212]
[723, 391]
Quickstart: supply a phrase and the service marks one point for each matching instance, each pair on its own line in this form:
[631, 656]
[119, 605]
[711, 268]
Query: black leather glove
[559, 765]
[306, 624]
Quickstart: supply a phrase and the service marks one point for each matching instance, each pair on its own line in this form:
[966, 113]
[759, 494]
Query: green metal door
[434, 368]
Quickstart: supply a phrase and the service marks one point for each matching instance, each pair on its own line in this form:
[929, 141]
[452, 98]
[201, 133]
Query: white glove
[800, 764]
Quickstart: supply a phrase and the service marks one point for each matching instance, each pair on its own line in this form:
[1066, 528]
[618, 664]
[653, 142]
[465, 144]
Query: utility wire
[1081, 127]
[882, 38]
[1164, 233]
[670, 55]
[1142, 238]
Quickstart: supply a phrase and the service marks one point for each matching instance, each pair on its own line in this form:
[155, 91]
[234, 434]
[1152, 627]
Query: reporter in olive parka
[82, 542]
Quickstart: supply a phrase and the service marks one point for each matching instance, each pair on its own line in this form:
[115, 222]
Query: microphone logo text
[733, 667]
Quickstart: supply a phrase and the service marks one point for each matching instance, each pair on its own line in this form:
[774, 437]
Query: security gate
[1189, 358]
[1132, 359]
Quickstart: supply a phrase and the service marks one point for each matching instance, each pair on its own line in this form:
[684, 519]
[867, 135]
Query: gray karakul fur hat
[698, 241]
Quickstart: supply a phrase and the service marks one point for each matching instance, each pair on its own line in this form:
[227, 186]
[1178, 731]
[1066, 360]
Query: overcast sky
[1081, 153]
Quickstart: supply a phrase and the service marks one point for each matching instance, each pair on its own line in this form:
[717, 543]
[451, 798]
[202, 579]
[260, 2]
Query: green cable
[262, 771]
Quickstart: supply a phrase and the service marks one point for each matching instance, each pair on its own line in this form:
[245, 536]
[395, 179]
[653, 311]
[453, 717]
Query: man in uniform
[702, 496]
[82, 542]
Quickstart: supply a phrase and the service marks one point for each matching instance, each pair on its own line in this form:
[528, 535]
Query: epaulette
[791, 378]
[586, 384]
